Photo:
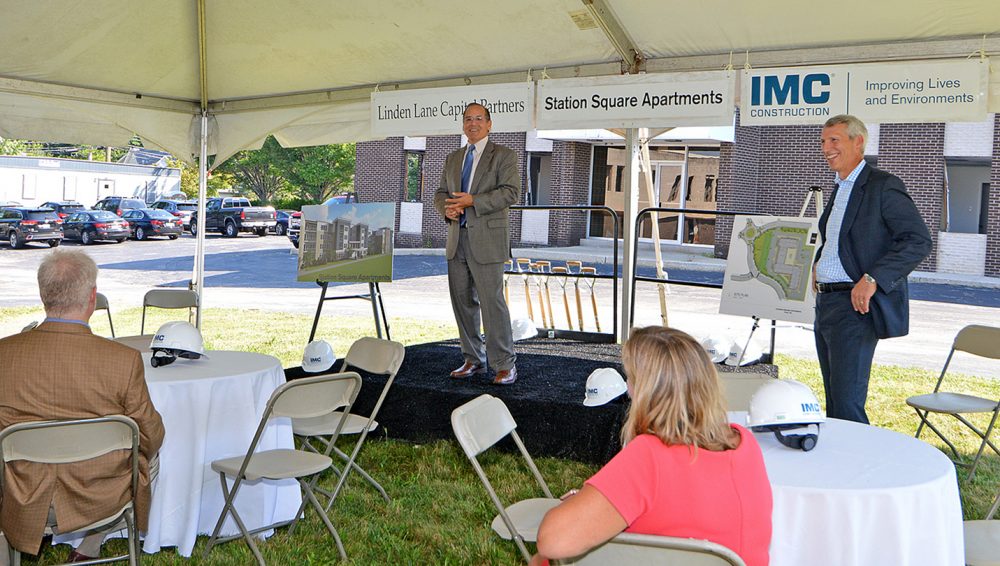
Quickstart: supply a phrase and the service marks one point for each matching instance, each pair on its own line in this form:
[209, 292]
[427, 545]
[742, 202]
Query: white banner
[636, 101]
[438, 111]
[949, 91]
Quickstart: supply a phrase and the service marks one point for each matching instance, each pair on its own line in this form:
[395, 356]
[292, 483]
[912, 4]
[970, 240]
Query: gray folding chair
[480, 424]
[63, 442]
[740, 387]
[371, 355]
[981, 341]
[169, 299]
[982, 538]
[102, 304]
[139, 342]
[302, 398]
[630, 548]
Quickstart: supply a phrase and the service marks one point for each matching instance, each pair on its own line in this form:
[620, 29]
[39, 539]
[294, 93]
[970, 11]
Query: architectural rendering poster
[769, 270]
[346, 242]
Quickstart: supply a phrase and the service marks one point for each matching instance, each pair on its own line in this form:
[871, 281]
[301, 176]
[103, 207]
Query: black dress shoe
[468, 370]
[505, 376]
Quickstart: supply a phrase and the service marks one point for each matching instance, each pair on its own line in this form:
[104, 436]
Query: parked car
[294, 227]
[21, 225]
[64, 208]
[345, 198]
[89, 226]
[182, 209]
[281, 216]
[119, 205]
[146, 222]
[234, 215]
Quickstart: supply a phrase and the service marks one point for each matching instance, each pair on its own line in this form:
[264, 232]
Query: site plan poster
[346, 242]
[769, 269]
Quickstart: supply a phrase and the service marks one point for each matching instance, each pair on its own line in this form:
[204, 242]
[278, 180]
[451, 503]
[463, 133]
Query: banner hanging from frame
[438, 111]
[938, 91]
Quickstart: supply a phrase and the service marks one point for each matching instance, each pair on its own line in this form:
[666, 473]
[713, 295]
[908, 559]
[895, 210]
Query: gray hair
[855, 127]
[66, 279]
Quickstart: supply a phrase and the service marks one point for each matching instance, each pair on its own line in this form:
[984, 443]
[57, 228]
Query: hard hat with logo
[603, 385]
[790, 410]
[523, 328]
[174, 340]
[318, 356]
[718, 347]
[742, 357]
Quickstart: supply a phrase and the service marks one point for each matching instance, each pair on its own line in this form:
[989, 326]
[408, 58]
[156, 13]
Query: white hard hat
[790, 410]
[318, 356]
[737, 355]
[174, 340]
[603, 385]
[523, 328]
[718, 347]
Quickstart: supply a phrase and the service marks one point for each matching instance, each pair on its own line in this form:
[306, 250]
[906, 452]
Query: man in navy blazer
[873, 237]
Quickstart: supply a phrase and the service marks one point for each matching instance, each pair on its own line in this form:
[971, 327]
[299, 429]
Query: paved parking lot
[252, 272]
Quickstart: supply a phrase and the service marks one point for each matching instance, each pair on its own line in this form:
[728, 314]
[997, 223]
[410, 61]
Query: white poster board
[769, 269]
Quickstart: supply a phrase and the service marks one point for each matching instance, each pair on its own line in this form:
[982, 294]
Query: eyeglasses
[468, 119]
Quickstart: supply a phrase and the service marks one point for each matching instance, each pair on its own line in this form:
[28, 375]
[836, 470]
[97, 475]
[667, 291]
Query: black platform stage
[546, 401]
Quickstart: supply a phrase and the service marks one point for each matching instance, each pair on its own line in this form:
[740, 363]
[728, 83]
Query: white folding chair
[630, 548]
[480, 424]
[982, 538]
[370, 355]
[302, 398]
[63, 442]
[981, 341]
[169, 299]
[102, 304]
[740, 387]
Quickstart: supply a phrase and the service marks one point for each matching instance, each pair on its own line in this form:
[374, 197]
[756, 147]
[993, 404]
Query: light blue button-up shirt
[830, 269]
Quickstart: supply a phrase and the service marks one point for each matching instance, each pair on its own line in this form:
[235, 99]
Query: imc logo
[790, 89]
[315, 359]
[810, 407]
[159, 338]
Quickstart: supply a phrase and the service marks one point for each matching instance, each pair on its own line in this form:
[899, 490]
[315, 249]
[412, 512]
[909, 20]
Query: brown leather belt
[834, 287]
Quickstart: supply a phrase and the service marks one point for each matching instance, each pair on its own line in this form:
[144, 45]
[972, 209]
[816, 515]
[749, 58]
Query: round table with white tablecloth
[211, 409]
[864, 496]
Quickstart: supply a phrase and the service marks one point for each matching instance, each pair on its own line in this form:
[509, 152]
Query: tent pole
[199, 253]
[628, 227]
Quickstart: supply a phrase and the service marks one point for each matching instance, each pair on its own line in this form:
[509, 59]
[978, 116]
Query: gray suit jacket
[495, 187]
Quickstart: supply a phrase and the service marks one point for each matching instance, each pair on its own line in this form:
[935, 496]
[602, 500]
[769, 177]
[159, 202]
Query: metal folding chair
[302, 398]
[371, 355]
[480, 424]
[139, 342]
[981, 341]
[102, 304]
[982, 538]
[63, 442]
[169, 299]
[630, 548]
[740, 387]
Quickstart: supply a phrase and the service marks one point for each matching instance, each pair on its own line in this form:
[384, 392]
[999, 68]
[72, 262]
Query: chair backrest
[315, 396]
[170, 298]
[740, 387]
[629, 548]
[102, 302]
[375, 356]
[481, 423]
[979, 340]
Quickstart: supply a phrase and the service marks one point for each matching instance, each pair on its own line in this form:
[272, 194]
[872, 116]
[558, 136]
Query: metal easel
[374, 296]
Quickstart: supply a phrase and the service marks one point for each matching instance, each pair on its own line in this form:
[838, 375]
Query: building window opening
[414, 176]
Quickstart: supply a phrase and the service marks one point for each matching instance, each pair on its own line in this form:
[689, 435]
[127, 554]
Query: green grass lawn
[440, 513]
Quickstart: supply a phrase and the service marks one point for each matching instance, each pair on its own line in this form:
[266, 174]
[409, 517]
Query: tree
[189, 180]
[257, 171]
[12, 147]
[318, 172]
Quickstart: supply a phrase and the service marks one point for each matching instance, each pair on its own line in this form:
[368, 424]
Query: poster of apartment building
[346, 242]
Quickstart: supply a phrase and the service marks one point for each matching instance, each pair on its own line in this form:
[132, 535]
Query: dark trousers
[845, 345]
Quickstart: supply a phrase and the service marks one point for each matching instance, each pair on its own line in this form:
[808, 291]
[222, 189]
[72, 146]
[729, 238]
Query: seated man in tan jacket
[60, 370]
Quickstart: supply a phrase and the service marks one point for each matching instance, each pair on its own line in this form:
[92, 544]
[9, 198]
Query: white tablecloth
[864, 496]
[211, 409]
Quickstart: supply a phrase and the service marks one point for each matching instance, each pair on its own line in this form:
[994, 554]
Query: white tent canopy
[197, 77]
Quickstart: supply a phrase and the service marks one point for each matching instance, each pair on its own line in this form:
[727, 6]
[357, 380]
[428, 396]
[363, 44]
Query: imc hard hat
[603, 385]
[718, 347]
[790, 410]
[741, 357]
[176, 340]
[523, 328]
[318, 356]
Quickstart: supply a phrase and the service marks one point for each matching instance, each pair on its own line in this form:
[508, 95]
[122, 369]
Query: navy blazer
[884, 236]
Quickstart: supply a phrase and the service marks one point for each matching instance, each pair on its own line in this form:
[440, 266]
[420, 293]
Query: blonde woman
[684, 471]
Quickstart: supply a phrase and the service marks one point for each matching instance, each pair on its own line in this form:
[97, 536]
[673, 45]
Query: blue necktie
[466, 176]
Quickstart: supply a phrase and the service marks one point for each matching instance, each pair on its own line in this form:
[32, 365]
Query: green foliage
[318, 172]
[12, 147]
[414, 177]
[256, 172]
[189, 179]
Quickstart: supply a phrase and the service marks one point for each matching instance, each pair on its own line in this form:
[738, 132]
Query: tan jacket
[62, 371]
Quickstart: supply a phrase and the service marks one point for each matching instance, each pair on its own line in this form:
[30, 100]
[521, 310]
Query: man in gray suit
[478, 185]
